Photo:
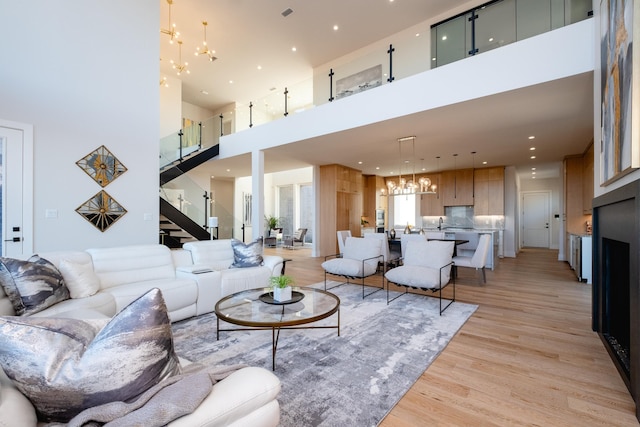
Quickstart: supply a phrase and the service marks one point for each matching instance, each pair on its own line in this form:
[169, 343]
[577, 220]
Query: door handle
[15, 239]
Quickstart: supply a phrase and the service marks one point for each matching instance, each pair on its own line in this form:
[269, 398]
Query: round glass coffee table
[256, 309]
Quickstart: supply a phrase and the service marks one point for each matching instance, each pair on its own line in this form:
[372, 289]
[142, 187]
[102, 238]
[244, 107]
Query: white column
[257, 191]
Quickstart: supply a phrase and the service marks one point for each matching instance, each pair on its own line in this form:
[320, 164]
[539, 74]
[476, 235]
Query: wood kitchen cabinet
[489, 191]
[587, 180]
[457, 187]
[341, 206]
[431, 204]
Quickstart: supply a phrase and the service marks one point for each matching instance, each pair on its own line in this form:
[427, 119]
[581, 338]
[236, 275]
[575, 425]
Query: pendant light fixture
[205, 50]
[180, 67]
[171, 30]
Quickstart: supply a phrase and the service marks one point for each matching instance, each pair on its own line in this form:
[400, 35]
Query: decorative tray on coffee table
[267, 297]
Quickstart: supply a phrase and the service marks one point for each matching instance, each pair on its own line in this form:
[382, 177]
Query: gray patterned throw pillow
[246, 255]
[82, 365]
[32, 285]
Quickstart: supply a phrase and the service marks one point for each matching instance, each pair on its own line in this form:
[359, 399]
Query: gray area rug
[353, 379]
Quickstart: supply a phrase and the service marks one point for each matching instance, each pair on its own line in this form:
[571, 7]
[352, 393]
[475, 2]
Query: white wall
[170, 103]
[85, 74]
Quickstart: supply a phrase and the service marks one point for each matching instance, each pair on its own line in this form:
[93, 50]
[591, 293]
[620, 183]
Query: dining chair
[391, 258]
[405, 238]
[479, 258]
[342, 236]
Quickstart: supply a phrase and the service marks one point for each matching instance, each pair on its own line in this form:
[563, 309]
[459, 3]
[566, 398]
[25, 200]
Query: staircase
[177, 228]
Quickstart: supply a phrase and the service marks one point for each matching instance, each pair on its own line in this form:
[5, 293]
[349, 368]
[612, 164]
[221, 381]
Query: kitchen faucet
[440, 224]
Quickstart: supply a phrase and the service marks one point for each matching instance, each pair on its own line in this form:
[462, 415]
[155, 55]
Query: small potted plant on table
[281, 286]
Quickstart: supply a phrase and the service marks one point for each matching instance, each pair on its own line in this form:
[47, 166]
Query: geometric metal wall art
[101, 210]
[102, 166]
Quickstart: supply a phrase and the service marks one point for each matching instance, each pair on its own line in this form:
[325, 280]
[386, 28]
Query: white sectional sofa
[192, 280]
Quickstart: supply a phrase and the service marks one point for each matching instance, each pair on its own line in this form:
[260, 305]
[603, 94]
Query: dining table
[395, 245]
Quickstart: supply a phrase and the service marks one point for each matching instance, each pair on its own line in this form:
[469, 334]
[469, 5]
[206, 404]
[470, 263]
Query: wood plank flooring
[527, 357]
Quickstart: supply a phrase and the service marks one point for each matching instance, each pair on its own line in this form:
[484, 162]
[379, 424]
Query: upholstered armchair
[478, 260]
[359, 260]
[427, 266]
[296, 240]
[272, 239]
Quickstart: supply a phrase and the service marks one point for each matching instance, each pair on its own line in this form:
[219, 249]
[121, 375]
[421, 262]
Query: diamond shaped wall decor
[101, 210]
[102, 166]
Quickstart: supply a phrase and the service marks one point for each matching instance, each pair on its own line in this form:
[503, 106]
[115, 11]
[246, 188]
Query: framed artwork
[247, 207]
[102, 166]
[620, 108]
[101, 210]
[359, 82]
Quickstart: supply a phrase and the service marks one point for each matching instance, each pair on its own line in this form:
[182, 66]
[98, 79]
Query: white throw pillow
[80, 279]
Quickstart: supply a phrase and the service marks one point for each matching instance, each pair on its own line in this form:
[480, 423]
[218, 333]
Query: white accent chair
[359, 260]
[405, 238]
[391, 258]
[479, 258]
[342, 236]
[427, 266]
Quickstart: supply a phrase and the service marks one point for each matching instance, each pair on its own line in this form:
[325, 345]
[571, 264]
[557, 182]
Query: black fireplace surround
[616, 284]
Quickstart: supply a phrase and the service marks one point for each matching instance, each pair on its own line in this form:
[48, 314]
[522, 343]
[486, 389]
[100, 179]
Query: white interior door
[535, 219]
[16, 171]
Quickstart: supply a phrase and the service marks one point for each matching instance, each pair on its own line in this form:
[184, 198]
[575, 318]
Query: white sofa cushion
[235, 400]
[102, 303]
[216, 254]
[129, 264]
[178, 293]
[80, 279]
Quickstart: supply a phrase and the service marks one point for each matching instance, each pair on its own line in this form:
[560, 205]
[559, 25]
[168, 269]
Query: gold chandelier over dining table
[422, 186]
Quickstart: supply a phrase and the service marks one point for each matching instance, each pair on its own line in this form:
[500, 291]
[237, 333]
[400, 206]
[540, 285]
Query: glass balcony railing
[193, 137]
[486, 27]
[494, 24]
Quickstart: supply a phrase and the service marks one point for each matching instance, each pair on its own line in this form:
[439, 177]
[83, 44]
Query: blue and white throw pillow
[64, 366]
[247, 255]
[32, 285]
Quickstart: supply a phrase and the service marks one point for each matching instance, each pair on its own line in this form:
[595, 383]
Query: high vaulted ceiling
[251, 34]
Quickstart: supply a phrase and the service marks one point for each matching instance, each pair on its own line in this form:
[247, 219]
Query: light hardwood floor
[527, 356]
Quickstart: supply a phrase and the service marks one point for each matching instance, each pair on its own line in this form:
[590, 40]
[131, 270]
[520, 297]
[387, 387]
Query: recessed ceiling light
[212, 176]
[533, 177]
[532, 149]
[377, 168]
[230, 81]
[532, 137]
[335, 28]
[417, 34]
[259, 67]
[533, 169]
[444, 38]
[293, 49]
[533, 173]
[533, 157]
[359, 163]
[204, 92]
[490, 39]
[433, 59]
[484, 163]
